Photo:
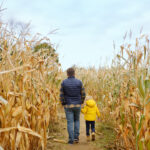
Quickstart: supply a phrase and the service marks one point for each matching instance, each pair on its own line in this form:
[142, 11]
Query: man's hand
[82, 105]
[63, 103]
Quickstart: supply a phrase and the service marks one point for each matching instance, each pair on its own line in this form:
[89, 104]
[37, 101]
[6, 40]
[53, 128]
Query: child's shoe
[93, 136]
[76, 140]
[88, 138]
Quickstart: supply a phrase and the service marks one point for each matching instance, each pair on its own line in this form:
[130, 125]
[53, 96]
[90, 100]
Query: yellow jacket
[90, 110]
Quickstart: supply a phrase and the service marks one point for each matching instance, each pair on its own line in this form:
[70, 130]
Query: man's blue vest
[72, 89]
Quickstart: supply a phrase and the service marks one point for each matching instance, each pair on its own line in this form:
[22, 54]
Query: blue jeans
[88, 124]
[73, 122]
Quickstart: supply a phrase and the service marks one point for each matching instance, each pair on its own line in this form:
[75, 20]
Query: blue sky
[86, 28]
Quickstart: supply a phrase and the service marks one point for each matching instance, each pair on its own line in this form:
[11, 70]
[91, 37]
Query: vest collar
[71, 77]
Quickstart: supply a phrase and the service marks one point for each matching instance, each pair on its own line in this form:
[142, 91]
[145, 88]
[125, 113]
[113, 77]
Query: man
[72, 95]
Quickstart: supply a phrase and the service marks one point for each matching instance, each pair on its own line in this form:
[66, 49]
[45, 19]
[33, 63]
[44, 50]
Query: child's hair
[88, 97]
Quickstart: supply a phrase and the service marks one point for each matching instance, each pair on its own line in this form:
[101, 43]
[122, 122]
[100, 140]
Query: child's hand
[99, 120]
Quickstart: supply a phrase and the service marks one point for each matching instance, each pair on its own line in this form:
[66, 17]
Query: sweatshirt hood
[90, 103]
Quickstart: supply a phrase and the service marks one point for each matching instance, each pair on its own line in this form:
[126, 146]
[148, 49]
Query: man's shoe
[88, 138]
[70, 142]
[93, 136]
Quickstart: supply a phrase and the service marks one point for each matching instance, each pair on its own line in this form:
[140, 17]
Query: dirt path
[82, 145]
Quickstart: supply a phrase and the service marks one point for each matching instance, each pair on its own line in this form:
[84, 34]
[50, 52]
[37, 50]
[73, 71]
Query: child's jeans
[90, 125]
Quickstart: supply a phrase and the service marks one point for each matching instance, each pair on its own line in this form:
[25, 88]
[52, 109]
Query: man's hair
[70, 72]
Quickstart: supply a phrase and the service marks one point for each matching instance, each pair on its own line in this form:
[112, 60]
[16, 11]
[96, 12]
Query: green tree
[46, 50]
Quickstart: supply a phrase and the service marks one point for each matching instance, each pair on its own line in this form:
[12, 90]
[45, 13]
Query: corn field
[29, 81]
[123, 93]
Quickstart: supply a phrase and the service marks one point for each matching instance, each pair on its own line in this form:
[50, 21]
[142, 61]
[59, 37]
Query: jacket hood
[90, 103]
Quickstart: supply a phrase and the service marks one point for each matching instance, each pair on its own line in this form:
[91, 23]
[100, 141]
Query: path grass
[107, 135]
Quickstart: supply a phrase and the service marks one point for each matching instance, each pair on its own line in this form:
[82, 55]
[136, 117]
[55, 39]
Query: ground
[102, 142]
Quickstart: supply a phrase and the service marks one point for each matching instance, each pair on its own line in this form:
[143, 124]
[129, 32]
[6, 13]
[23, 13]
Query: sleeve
[97, 112]
[62, 98]
[84, 110]
[82, 93]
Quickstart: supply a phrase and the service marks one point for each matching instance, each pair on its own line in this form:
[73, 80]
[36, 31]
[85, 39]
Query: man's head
[70, 72]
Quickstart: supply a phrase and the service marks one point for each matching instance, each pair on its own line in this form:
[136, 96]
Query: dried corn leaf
[7, 129]
[3, 100]
[29, 131]
[18, 138]
[17, 111]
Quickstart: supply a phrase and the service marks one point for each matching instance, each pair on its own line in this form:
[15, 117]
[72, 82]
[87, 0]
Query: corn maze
[30, 78]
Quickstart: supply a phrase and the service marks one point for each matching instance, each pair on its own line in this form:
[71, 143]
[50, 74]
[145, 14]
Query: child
[90, 110]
